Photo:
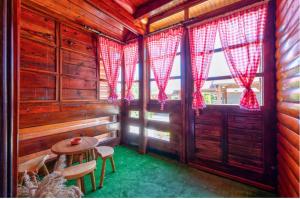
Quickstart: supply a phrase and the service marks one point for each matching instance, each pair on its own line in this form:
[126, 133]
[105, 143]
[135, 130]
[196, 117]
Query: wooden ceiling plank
[146, 8]
[176, 9]
[114, 10]
[61, 12]
[91, 9]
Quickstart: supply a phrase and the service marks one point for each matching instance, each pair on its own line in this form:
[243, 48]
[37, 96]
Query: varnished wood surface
[62, 84]
[288, 107]
[65, 146]
[51, 156]
[79, 170]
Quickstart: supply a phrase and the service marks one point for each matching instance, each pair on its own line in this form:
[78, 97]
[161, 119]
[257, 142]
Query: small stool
[32, 167]
[79, 171]
[105, 152]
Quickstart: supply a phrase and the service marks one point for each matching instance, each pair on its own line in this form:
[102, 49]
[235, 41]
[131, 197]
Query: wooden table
[64, 147]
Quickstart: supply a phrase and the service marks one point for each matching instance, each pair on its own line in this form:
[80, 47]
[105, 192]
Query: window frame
[258, 74]
[180, 53]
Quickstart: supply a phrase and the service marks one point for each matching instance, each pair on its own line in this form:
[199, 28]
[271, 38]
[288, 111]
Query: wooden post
[143, 97]
[9, 49]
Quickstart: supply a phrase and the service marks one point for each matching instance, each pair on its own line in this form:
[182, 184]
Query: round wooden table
[64, 147]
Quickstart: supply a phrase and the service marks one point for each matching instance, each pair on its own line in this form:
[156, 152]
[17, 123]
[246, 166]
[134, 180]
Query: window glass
[218, 43]
[176, 69]
[134, 114]
[218, 65]
[226, 91]
[135, 90]
[161, 135]
[172, 89]
[134, 129]
[136, 74]
[162, 117]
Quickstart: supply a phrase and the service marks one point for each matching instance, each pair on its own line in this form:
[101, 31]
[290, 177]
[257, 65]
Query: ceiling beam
[114, 10]
[146, 8]
[178, 8]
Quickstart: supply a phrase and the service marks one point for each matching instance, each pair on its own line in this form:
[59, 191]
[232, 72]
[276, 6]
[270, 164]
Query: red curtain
[202, 40]
[111, 54]
[162, 49]
[241, 36]
[131, 59]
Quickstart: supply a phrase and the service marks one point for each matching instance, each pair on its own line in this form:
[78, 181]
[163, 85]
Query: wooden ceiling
[121, 19]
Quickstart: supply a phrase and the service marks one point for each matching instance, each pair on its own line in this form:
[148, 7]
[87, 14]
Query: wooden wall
[288, 96]
[235, 143]
[61, 84]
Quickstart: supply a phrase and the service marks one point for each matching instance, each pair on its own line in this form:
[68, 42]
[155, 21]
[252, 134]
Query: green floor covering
[155, 176]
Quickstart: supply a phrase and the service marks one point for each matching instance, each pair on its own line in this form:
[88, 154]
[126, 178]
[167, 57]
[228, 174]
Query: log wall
[61, 81]
[288, 96]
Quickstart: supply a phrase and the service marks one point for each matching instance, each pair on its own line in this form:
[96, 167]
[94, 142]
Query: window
[104, 88]
[135, 85]
[173, 89]
[160, 135]
[134, 129]
[161, 117]
[134, 114]
[219, 87]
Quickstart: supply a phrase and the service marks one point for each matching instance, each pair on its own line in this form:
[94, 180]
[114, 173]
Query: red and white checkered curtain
[162, 49]
[111, 54]
[202, 40]
[131, 60]
[241, 36]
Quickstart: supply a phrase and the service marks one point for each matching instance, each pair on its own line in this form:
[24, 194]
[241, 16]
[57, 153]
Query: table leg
[70, 160]
[93, 180]
[81, 158]
[93, 154]
[82, 184]
[79, 183]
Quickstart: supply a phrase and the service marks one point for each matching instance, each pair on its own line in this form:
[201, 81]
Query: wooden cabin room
[150, 98]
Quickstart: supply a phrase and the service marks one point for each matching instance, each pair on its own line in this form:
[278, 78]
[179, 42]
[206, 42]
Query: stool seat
[33, 165]
[80, 170]
[105, 151]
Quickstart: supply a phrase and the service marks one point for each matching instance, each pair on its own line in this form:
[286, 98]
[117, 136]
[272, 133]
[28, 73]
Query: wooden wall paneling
[39, 80]
[37, 27]
[246, 140]
[287, 65]
[79, 80]
[208, 134]
[66, 63]
[82, 14]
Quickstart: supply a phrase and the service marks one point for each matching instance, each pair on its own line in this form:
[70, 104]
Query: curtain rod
[165, 28]
[192, 22]
[102, 34]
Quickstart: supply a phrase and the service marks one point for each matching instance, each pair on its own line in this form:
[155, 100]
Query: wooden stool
[105, 152]
[79, 171]
[32, 167]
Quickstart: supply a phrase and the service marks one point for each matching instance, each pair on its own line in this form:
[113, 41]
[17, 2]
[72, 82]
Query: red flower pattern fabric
[241, 37]
[131, 60]
[161, 48]
[111, 54]
[202, 40]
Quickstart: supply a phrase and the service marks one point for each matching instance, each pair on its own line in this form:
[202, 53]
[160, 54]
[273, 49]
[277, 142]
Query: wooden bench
[78, 172]
[51, 156]
[41, 138]
[109, 123]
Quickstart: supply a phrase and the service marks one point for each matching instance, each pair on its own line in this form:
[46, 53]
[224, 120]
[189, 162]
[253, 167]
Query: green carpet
[155, 176]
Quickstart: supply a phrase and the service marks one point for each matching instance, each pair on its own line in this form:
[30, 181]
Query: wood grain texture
[59, 85]
[288, 71]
